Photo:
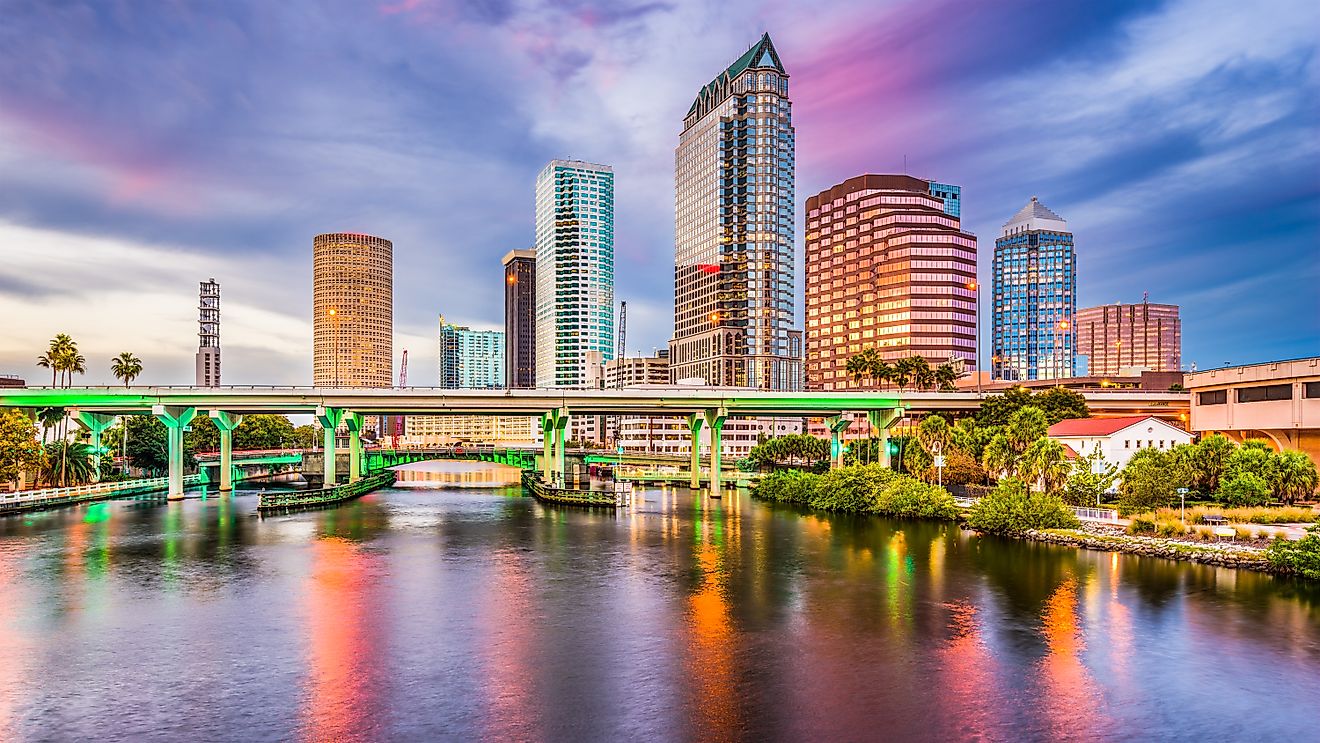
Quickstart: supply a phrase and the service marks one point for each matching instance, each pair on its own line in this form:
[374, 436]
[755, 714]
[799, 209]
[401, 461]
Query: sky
[145, 147]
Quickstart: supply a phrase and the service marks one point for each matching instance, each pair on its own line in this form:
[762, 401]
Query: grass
[1246, 515]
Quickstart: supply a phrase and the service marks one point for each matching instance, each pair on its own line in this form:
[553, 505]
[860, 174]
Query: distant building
[1035, 297]
[11, 380]
[352, 310]
[208, 334]
[1117, 337]
[888, 266]
[634, 370]
[470, 359]
[1117, 439]
[444, 430]
[520, 318]
[1278, 401]
[574, 270]
[733, 223]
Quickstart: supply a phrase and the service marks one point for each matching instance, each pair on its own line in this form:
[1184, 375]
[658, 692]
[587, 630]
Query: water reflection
[456, 475]
[463, 613]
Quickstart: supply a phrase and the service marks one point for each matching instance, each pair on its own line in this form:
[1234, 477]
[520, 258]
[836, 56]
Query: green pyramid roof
[761, 55]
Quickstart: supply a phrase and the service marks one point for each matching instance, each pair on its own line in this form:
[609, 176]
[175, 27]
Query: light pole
[974, 287]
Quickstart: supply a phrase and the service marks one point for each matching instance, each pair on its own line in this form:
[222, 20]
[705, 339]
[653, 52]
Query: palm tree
[75, 364]
[57, 357]
[857, 368]
[49, 418]
[74, 465]
[47, 361]
[1043, 462]
[882, 371]
[1292, 476]
[126, 366]
[945, 377]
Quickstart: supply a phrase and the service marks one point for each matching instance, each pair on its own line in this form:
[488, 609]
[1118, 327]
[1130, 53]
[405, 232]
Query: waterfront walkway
[27, 500]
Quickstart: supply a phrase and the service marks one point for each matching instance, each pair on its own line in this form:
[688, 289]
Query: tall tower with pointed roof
[733, 230]
[1035, 297]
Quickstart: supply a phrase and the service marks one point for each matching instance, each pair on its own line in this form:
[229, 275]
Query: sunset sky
[145, 146]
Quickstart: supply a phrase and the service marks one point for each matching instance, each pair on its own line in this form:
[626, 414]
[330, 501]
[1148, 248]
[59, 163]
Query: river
[433, 612]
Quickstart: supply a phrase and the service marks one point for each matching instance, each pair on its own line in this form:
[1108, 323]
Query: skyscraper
[733, 225]
[1035, 297]
[470, 359]
[352, 310]
[520, 318]
[208, 334]
[574, 270]
[1130, 336]
[888, 266]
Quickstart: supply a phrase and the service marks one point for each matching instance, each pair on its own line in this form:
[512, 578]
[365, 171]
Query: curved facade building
[352, 310]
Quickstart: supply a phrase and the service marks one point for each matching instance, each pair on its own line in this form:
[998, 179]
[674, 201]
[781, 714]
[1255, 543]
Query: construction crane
[403, 370]
[396, 422]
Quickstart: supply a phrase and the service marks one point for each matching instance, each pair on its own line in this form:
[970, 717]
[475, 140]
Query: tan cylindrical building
[353, 310]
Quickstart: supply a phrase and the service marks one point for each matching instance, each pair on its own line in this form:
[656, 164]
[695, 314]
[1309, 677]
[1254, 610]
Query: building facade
[1278, 401]
[1116, 338]
[574, 270]
[668, 435]
[1117, 439]
[634, 370]
[734, 229]
[352, 310]
[1035, 297]
[470, 359]
[520, 318]
[444, 430]
[889, 267]
[208, 334]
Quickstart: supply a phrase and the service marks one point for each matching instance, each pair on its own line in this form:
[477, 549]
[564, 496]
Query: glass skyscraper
[574, 271]
[1035, 297]
[470, 359]
[733, 225]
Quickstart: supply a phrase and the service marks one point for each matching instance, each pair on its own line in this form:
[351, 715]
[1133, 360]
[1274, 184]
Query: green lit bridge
[95, 408]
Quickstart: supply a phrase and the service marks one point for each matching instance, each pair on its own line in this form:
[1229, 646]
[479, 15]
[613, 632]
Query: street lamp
[972, 286]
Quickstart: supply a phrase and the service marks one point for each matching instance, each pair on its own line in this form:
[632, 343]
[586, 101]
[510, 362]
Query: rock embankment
[1222, 554]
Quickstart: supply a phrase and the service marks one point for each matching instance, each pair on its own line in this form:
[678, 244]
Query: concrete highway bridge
[95, 408]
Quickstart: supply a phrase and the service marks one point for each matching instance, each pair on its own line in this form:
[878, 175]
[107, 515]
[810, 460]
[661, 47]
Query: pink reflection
[509, 653]
[1069, 700]
[968, 671]
[14, 644]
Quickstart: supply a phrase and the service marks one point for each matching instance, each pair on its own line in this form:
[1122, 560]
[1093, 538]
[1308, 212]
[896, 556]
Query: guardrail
[1107, 515]
[280, 501]
[52, 497]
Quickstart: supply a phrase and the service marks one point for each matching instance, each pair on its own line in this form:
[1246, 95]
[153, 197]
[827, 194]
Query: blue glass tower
[470, 359]
[1035, 297]
[952, 196]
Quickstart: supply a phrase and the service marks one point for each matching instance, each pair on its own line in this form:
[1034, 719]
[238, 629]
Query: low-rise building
[1117, 439]
[1278, 401]
[497, 430]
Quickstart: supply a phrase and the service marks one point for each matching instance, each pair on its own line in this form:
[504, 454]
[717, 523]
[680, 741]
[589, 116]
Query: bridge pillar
[226, 423]
[838, 424]
[353, 422]
[715, 418]
[547, 442]
[175, 420]
[95, 423]
[561, 435]
[880, 421]
[329, 419]
[694, 422]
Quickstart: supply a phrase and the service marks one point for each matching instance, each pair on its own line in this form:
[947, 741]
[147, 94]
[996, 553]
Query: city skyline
[127, 209]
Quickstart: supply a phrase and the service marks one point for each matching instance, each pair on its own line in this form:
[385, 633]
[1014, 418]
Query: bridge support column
[175, 419]
[547, 442]
[715, 422]
[838, 425]
[226, 423]
[95, 423]
[353, 422]
[694, 422]
[880, 421]
[329, 419]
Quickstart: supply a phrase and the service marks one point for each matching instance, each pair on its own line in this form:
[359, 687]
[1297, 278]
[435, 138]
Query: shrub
[907, 498]
[1245, 489]
[789, 486]
[1150, 480]
[1141, 525]
[1011, 508]
[1242, 532]
[1203, 534]
[851, 488]
[1301, 557]
[1170, 528]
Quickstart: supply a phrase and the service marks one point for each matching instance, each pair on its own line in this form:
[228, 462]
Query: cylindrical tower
[353, 310]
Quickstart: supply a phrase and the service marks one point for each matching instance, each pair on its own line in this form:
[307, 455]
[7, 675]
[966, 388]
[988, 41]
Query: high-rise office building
[1035, 297]
[733, 224]
[888, 266]
[520, 318]
[352, 310]
[208, 334]
[1116, 337]
[574, 270]
[470, 359]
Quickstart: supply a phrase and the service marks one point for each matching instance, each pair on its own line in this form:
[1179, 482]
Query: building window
[1311, 390]
[1213, 397]
[1266, 393]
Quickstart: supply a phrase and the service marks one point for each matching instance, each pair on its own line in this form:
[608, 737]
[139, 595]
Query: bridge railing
[24, 499]
[1105, 515]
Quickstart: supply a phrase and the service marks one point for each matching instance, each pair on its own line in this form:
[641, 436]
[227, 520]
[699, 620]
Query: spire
[1035, 216]
[762, 55]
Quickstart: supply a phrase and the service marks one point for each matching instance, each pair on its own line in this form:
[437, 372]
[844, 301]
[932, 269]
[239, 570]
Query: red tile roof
[1069, 452]
[1095, 426]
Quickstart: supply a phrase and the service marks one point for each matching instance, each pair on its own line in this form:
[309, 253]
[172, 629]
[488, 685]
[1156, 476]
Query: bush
[1150, 480]
[1012, 508]
[907, 498]
[851, 488]
[1141, 525]
[1301, 557]
[789, 486]
[1245, 489]
[1170, 528]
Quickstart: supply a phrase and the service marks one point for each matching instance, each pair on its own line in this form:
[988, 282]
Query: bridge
[95, 408]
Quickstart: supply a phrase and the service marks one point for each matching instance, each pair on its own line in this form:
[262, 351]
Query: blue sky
[147, 146]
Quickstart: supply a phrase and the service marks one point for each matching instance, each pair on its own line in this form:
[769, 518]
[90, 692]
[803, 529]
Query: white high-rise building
[574, 271]
[208, 334]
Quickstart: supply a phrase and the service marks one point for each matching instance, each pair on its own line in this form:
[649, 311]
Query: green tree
[933, 433]
[148, 445]
[1091, 477]
[1012, 508]
[1003, 454]
[967, 436]
[1150, 480]
[1060, 404]
[19, 450]
[1209, 461]
[1044, 463]
[946, 378]
[1254, 457]
[126, 367]
[790, 450]
[67, 463]
[1293, 476]
[997, 409]
[1245, 489]
[1301, 557]
[263, 432]
[202, 435]
[306, 436]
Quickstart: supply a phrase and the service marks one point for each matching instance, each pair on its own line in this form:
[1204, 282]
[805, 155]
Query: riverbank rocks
[1224, 555]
